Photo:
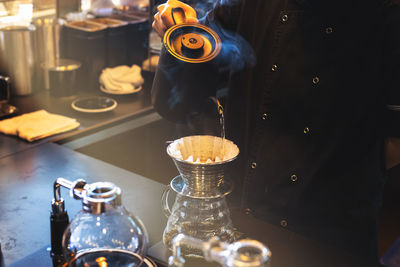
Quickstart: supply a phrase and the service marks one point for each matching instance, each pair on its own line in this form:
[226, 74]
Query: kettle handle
[164, 201]
[178, 15]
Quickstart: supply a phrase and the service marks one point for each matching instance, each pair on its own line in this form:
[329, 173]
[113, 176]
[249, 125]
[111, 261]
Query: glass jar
[103, 233]
[199, 217]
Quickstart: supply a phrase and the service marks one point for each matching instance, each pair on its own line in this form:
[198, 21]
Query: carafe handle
[164, 201]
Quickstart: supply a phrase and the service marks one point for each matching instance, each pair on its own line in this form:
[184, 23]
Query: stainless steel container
[137, 37]
[63, 77]
[85, 41]
[48, 36]
[17, 57]
[116, 41]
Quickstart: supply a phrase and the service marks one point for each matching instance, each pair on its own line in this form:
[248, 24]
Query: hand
[171, 13]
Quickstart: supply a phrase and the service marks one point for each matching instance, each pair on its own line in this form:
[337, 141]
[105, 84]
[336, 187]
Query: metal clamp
[76, 188]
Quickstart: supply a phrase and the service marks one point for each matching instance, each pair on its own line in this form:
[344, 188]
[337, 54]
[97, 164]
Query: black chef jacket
[311, 113]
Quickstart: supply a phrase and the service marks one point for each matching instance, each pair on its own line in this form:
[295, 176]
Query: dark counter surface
[26, 184]
[28, 171]
[128, 107]
[288, 248]
[10, 145]
[26, 190]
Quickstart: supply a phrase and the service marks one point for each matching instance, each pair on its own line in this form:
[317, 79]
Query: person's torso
[307, 116]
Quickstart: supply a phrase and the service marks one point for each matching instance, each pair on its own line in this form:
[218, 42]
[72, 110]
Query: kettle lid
[193, 43]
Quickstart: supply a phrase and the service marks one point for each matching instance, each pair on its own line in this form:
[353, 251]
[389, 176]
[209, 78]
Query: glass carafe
[242, 253]
[202, 218]
[103, 233]
[200, 209]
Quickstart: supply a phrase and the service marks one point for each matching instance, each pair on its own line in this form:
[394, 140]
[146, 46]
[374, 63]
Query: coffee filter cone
[203, 149]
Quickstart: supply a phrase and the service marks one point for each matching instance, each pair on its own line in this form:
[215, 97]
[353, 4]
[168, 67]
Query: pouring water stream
[220, 110]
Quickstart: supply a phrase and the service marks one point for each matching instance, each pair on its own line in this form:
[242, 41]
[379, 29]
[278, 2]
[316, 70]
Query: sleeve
[391, 68]
[225, 13]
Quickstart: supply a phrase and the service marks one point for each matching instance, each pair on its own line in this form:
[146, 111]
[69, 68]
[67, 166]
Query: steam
[181, 90]
[229, 2]
[236, 52]
[202, 7]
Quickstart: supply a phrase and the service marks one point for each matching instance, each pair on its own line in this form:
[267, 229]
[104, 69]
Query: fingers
[164, 18]
[158, 25]
[191, 20]
[167, 9]
[189, 11]
[161, 8]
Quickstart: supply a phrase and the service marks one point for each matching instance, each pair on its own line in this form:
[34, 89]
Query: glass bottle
[103, 233]
[242, 253]
[200, 209]
[202, 218]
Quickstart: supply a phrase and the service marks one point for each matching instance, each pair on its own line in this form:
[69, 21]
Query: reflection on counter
[137, 150]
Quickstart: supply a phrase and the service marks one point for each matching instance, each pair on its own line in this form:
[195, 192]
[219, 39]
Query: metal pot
[48, 36]
[63, 77]
[17, 57]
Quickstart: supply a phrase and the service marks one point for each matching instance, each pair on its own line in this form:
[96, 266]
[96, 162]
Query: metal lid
[16, 28]
[96, 196]
[130, 19]
[63, 64]
[85, 25]
[222, 189]
[193, 43]
[109, 22]
[44, 22]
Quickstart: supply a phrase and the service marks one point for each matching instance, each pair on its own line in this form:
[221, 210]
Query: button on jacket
[311, 113]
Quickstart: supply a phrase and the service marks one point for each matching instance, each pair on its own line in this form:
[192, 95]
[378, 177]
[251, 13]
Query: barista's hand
[171, 13]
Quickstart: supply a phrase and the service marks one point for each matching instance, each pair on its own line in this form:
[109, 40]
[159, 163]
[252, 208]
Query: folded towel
[122, 78]
[37, 125]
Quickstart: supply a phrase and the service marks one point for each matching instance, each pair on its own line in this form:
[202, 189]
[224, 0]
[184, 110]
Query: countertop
[26, 190]
[28, 171]
[128, 107]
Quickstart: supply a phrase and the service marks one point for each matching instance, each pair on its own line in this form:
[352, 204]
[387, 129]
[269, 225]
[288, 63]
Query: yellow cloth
[37, 125]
